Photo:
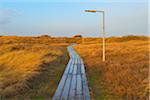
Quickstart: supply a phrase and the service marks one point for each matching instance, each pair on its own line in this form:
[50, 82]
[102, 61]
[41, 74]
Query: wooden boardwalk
[73, 85]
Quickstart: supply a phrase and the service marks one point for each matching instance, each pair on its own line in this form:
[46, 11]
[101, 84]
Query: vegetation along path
[73, 85]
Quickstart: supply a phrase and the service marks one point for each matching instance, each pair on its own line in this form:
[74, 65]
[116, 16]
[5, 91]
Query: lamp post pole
[103, 29]
[103, 36]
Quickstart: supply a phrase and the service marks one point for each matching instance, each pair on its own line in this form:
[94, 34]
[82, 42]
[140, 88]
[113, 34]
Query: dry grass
[31, 67]
[30, 70]
[38, 40]
[123, 76]
[65, 40]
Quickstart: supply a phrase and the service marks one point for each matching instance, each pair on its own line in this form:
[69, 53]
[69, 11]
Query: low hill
[52, 40]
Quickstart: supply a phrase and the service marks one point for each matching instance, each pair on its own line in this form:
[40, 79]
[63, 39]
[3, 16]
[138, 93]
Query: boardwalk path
[73, 85]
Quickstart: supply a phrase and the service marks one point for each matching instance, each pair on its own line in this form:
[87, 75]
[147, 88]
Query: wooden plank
[72, 92]
[73, 83]
[60, 88]
[72, 66]
[65, 92]
[86, 94]
[68, 66]
[79, 82]
[82, 67]
[76, 61]
[75, 70]
[62, 82]
[79, 67]
[69, 50]
[81, 61]
[79, 95]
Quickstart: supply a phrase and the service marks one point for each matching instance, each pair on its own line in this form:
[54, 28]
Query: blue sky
[66, 18]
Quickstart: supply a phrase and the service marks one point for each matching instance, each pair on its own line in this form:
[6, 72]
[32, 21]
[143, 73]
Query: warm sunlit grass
[31, 67]
[124, 75]
[29, 70]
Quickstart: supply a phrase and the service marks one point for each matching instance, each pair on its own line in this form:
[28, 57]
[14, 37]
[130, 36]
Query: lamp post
[94, 11]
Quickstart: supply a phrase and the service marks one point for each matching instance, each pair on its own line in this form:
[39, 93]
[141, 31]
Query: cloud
[5, 12]
[6, 16]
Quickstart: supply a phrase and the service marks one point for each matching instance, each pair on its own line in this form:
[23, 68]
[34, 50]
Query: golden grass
[31, 67]
[124, 75]
[65, 40]
[30, 70]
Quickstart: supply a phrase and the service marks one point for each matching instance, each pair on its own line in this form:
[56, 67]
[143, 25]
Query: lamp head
[93, 11]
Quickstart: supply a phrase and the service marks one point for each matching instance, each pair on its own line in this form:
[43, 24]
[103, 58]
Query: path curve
[73, 84]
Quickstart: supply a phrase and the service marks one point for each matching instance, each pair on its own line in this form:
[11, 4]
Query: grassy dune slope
[30, 70]
[124, 75]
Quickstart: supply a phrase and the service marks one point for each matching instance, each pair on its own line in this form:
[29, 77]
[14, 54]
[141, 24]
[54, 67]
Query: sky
[67, 18]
